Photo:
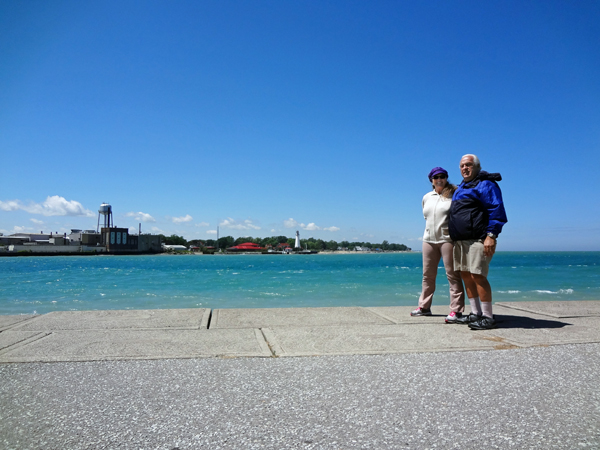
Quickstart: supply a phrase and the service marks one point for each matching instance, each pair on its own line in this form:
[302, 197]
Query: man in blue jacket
[476, 219]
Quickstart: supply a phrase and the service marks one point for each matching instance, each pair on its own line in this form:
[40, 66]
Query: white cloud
[310, 227]
[211, 231]
[52, 206]
[141, 217]
[290, 223]
[156, 230]
[11, 205]
[186, 218]
[249, 224]
[202, 224]
[235, 225]
[38, 222]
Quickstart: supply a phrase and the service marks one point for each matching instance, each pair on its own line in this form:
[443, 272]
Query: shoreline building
[110, 240]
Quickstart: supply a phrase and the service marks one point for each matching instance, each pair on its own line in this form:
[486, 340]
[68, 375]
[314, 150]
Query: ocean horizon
[42, 284]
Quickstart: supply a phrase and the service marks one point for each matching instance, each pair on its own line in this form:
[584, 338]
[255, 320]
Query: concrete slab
[8, 340]
[7, 322]
[401, 314]
[119, 319]
[376, 339]
[293, 317]
[525, 319]
[527, 332]
[101, 345]
[558, 309]
[158, 334]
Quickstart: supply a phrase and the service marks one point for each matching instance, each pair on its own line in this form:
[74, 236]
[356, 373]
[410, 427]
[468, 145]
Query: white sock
[475, 306]
[487, 309]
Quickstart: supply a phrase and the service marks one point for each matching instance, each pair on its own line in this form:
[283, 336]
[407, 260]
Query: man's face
[467, 169]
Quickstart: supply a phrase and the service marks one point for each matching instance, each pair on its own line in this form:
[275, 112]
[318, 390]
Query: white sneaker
[421, 312]
[453, 317]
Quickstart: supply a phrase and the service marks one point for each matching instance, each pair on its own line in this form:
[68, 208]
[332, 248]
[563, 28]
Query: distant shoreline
[322, 252]
[187, 253]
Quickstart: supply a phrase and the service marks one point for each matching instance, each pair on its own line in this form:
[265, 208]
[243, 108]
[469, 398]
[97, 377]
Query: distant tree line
[310, 243]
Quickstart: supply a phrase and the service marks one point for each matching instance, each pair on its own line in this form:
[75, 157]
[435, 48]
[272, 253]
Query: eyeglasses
[437, 177]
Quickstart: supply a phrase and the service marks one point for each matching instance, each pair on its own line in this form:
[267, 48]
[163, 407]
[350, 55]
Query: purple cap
[437, 170]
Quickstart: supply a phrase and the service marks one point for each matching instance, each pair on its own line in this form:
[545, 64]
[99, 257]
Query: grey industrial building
[109, 240]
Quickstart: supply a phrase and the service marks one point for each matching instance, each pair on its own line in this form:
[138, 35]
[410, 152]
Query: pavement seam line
[24, 342]
[271, 342]
[530, 311]
[22, 322]
[381, 315]
[518, 307]
[208, 316]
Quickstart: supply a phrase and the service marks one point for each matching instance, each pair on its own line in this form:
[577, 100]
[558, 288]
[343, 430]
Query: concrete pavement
[283, 332]
[178, 379]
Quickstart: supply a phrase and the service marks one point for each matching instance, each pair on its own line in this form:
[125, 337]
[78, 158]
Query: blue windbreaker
[477, 208]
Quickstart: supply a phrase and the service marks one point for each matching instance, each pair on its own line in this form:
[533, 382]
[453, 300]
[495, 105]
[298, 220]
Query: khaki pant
[432, 253]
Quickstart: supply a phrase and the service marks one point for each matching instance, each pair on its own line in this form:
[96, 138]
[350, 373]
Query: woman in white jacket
[438, 245]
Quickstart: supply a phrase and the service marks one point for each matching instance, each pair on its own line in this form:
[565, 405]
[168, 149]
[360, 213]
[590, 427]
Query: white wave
[560, 291]
[509, 292]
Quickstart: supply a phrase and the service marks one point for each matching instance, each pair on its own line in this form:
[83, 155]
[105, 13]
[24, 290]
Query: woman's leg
[457, 292]
[431, 260]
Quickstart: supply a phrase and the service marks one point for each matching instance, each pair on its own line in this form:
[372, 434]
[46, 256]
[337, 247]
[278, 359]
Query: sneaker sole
[483, 328]
[452, 322]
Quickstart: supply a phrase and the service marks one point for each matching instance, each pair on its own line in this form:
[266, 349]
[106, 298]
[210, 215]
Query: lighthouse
[297, 244]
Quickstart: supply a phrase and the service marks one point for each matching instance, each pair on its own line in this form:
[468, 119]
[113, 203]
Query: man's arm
[491, 197]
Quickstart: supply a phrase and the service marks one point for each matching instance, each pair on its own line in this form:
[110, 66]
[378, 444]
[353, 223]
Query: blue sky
[266, 117]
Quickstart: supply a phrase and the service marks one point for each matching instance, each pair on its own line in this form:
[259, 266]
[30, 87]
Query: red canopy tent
[246, 247]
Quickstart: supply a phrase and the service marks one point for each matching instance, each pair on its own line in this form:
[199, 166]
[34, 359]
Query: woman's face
[439, 182]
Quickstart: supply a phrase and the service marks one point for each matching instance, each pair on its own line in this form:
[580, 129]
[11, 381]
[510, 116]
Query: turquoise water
[43, 284]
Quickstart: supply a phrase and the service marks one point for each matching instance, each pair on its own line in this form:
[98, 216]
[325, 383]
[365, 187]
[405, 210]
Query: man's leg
[470, 285]
[472, 293]
[484, 290]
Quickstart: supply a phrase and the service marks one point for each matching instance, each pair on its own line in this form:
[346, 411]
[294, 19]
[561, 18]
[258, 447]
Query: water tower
[106, 211]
